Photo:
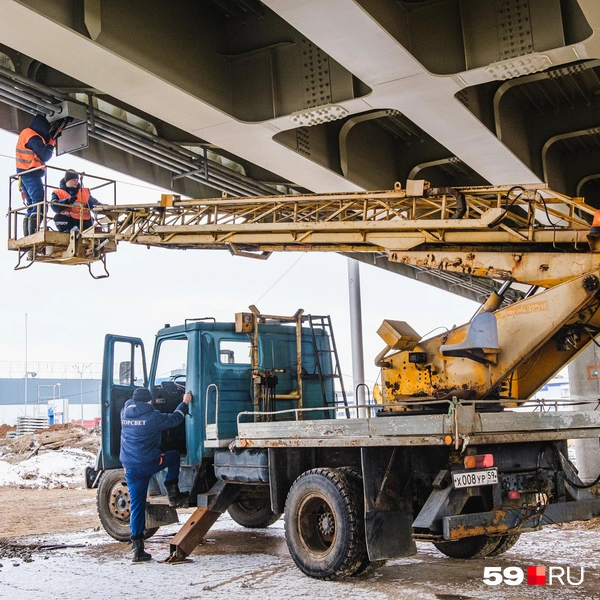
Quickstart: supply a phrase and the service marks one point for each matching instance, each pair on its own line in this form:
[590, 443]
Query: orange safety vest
[26, 158]
[79, 209]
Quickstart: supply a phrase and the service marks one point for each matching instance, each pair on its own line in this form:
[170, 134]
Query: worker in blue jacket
[73, 203]
[141, 427]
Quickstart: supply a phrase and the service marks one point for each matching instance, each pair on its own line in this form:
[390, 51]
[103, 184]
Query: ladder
[323, 322]
[264, 395]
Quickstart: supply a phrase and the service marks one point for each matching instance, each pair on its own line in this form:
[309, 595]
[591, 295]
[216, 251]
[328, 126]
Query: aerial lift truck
[455, 453]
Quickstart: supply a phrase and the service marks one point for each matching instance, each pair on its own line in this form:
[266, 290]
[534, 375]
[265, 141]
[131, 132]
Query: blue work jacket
[141, 425]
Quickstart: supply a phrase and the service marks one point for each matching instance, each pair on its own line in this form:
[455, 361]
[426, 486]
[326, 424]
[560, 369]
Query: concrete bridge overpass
[327, 95]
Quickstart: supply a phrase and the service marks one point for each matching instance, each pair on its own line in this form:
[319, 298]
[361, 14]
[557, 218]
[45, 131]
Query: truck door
[123, 370]
[168, 383]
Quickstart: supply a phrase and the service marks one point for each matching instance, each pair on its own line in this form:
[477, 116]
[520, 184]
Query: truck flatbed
[422, 430]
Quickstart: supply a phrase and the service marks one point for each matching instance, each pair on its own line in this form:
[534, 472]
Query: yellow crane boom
[524, 233]
[499, 232]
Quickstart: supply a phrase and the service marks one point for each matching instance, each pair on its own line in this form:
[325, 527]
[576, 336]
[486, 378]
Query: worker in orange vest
[72, 202]
[34, 149]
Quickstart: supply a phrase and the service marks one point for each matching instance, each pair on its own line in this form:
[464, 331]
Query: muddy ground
[250, 564]
[38, 511]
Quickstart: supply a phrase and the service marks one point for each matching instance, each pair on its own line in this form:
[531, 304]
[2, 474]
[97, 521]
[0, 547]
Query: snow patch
[56, 469]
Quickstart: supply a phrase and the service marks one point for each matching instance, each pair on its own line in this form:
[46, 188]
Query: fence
[50, 370]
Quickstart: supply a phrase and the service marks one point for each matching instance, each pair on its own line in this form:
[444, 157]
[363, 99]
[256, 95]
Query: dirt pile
[4, 429]
[54, 437]
[55, 457]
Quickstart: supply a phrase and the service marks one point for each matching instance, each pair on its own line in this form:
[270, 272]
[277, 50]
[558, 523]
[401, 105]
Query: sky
[69, 313]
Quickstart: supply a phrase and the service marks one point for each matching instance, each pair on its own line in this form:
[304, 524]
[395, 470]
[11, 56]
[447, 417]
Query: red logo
[536, 575]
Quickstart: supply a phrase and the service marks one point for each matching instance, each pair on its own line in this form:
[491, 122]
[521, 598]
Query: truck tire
[471, 547]
[113, 506]
[253, 513]
[323, 524]
[505, 544]
[367, 567]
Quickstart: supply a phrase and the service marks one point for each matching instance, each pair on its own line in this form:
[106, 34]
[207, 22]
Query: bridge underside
[246, 96]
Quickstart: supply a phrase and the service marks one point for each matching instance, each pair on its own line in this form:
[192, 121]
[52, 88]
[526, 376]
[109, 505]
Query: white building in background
[69, 392]
[62, 409]
[556, 389]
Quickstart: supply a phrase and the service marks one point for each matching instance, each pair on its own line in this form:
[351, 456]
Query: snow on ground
[237, 563]
[59, 468]
[217, 571]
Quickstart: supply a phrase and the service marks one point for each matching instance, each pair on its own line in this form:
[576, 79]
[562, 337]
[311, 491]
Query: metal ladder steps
[323, 322]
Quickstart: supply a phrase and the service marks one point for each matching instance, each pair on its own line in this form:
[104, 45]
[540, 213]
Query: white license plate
[474, 478]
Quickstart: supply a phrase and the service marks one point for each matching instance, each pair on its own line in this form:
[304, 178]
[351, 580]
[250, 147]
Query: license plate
[474, 478]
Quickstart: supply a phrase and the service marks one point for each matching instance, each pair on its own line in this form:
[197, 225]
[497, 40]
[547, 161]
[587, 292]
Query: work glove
[54, 129]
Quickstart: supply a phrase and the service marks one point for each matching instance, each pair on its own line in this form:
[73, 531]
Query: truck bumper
[517, 520]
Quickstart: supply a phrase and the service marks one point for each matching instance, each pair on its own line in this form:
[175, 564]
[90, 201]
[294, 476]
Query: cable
[581, 486]
[527, 512]
[592, 334]
[507, 205]
[76, 395]
[435, 329]
[297, 261]
[512, 375]
[513, 188]
[553, 225]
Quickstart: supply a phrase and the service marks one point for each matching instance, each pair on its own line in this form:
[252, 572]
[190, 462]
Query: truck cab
[232, 370]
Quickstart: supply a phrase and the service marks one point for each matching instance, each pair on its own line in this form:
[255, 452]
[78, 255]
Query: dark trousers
[33, 188]
[138, 480]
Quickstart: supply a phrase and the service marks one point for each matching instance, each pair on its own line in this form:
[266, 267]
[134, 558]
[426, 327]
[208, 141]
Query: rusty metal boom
[504, 232]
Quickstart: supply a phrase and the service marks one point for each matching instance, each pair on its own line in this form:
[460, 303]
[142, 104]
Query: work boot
[29, 225]
[27, 231]
[138, 552]
[32, 220]
[176, 498]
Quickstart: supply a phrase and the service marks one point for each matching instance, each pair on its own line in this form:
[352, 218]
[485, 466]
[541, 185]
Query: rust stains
[497, 525]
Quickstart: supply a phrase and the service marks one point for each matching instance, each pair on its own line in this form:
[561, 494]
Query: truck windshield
[172, 361]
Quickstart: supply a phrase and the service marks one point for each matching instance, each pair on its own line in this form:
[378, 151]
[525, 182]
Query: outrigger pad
[171, 560]
[210, 507]
[191, 534]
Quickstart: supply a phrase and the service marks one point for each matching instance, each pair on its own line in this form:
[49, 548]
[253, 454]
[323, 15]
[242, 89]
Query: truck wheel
[113, 506]
[505, 544]
[471, 547]
[253, 513]
[323, 524]
[367, 567]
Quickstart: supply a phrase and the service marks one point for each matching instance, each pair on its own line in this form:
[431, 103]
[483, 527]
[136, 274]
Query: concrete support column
[584, 386]
[358, 361]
